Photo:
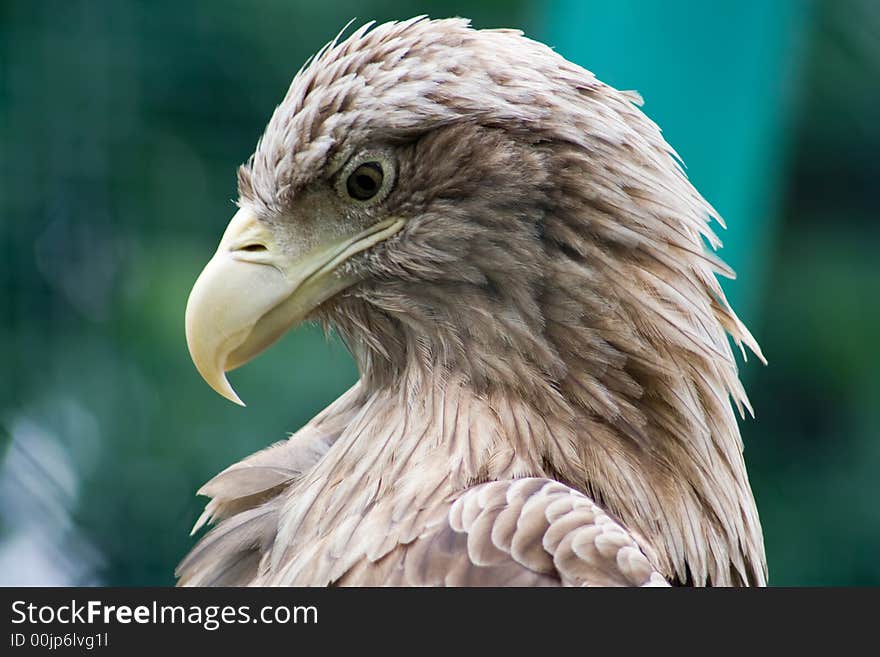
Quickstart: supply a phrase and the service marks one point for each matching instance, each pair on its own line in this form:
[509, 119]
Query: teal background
[122, 124]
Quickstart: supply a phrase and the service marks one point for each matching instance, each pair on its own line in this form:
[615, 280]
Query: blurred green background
[121, 126]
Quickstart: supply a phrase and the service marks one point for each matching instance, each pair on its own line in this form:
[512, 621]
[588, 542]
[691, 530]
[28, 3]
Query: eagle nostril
[253, 248]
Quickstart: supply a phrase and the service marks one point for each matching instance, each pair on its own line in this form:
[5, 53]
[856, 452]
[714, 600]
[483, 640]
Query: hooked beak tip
[230, 394]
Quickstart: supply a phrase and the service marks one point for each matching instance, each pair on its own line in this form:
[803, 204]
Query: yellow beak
[250, 293]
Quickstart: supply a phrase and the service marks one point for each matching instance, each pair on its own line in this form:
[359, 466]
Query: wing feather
[523, 532]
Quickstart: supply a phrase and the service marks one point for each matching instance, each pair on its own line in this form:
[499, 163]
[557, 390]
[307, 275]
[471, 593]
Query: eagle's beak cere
[251, 293]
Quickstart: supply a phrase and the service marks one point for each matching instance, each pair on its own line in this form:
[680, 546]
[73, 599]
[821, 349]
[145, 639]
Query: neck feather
[658, 447]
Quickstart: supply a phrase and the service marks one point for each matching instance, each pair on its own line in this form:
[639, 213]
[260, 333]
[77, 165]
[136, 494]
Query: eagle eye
[365, 182]
[367, 178]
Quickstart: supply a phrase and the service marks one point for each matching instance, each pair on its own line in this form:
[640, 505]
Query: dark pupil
[365, 181]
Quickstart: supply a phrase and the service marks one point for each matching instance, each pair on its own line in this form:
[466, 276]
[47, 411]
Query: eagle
[526, 279]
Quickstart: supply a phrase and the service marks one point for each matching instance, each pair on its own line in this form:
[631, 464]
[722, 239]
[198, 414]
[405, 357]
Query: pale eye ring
[368, 177]
[365, 182]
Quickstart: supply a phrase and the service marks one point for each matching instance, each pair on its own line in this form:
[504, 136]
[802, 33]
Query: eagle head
[469, 203]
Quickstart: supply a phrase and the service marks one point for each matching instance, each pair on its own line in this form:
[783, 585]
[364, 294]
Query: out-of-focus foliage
[121, 125]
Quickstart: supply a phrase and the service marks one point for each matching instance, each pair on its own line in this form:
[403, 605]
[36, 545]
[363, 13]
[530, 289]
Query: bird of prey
[519, 266]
